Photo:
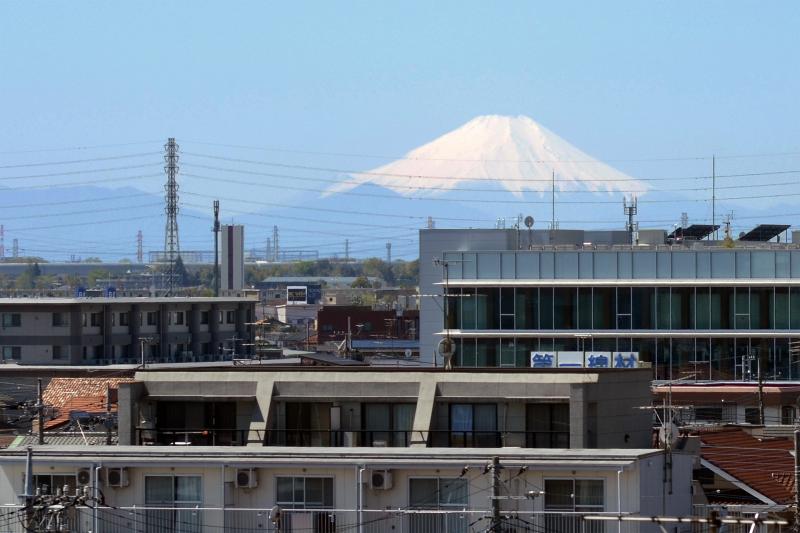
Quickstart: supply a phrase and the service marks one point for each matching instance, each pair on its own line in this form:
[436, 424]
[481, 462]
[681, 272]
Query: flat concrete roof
[264, 456]
[125, 300]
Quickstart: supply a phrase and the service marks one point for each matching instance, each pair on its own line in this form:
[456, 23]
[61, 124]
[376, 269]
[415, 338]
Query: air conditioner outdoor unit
[246, 478]
[380, 479]
[117, 477]
[84, 476]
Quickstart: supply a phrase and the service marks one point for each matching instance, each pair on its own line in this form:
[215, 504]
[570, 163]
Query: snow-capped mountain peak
[515, 153]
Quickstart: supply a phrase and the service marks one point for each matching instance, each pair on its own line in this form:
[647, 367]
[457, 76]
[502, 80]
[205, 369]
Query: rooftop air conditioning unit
[84, 476]
[246, 478]
[380, 479]
[117, 477]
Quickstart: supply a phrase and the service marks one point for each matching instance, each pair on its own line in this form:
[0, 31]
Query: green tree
[92, 260]
[361, 282]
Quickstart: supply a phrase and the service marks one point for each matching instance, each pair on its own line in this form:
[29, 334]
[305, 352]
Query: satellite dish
[446, 349]
[668, 434]
[529, 222]
[275, 514]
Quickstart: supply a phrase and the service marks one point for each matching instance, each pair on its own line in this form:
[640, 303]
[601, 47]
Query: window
[173, 492]
[12, 320]
[58, 352]
[752, 416]
[387, 424]
[573, 496]
[788, 416]
[204, 317]
[60, 320]
[97, 320]
[220, 318]
[152, 318]
[547, 425]
[438, 493]
[306, 493]
[474, 425]
[179, 318]
[230, 317]
[49, 483]
[123, 319]
[12, 352]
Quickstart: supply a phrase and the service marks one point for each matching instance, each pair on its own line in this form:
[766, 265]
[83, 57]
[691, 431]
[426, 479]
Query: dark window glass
[682, 308]
[604, 308]
[722, 300]
[742, 320]
[488, 308]
[663, 313]
[468, 307]
[644, 308]
[547, 425]
[794, 308]
[703, 308]
[526, 308]
[751, 415]
[487, 352]
[585, 308]
[565, 311]
[466, 357]
[546, 308]
[761, 302]
[781, 307]
[453, 309]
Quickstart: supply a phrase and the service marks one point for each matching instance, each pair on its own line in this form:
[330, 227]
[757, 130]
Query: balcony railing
[197, 437]
[207, 519]
[339, 438]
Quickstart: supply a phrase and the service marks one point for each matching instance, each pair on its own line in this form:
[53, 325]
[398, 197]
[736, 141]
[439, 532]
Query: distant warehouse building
[689, 306]
[80, 331]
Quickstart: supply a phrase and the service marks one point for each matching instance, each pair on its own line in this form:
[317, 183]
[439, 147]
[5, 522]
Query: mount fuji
[512, 154]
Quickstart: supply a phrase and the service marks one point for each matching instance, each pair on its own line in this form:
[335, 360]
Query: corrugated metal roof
[760, 463]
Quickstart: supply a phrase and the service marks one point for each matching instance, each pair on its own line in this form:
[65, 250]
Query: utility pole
[389, 253]
[796, 476]
[216, 247]
[630, 211]
[108, 414]
[142, 342]
[172, 247]
[494, 468]
[347, 250]
[39, 412]
[714, 195]
[553, 202]
[760, 391]
[275, 244]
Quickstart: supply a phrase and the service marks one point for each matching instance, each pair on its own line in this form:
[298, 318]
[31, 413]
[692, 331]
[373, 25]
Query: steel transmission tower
[172, 246]
[139, 247]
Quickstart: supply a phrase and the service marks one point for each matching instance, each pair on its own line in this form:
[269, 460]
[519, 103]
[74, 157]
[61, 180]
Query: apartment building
[688, 306]
[85, 331]
[370, 450]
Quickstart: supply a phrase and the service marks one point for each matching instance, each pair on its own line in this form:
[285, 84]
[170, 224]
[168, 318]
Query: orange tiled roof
[761, 463]
[66, 395]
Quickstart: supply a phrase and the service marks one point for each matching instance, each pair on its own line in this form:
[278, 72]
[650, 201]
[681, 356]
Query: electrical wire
[73, 161]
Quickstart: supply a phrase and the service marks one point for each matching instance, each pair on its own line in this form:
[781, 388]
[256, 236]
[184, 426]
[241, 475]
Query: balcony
[196, 437]
[338, 438]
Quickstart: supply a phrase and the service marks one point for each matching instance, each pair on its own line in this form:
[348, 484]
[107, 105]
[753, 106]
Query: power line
[72, 161]
[405, 158]
[76, 148]
[77, 172]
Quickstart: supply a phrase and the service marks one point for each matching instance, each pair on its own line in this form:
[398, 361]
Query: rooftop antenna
[216, 230]
[529, 225]
[714, 195]
[553, 202]
[630, 212]
[727, 222]
[431, 223]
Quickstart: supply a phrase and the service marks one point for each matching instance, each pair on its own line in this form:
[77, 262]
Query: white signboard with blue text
[543, 359]
[584, 359]
[569, 359]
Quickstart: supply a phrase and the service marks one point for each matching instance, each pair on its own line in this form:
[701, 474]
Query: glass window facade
[710, 332]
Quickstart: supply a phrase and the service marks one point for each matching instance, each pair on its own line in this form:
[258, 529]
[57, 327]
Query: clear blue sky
[619, 80]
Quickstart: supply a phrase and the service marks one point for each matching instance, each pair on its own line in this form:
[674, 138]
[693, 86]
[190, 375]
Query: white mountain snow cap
[491, 152]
